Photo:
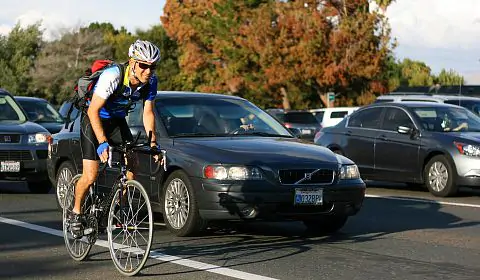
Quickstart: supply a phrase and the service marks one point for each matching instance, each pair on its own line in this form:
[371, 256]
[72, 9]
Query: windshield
[40, 111]
[10, 111]
[195, 116]
[448, 119]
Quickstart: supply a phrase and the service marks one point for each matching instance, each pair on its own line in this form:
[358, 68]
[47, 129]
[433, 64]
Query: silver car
[419, 143]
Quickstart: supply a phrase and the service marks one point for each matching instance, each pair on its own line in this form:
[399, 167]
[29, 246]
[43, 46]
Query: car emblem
[7, 138]
[308, 176]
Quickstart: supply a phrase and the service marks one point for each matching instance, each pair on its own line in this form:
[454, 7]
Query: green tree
[449, 78]
[63, 61]
[18, 51]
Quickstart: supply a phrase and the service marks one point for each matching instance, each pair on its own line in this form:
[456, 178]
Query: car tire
[65, 173]
[326, 225]
[41, 187]
[440, 177]
[179, 195]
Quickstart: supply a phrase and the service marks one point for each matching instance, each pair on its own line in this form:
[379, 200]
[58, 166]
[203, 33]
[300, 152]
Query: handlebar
[142, 148]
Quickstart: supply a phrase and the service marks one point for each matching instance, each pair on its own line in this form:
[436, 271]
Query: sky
[441, 33]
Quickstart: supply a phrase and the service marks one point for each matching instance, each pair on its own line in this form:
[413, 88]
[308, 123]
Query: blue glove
[102, 147]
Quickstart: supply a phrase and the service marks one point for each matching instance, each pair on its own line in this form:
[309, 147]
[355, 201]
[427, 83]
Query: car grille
[306, 176]
[15, 155]
[9, 138]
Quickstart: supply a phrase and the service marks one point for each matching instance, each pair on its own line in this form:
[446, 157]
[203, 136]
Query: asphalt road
[399, 234]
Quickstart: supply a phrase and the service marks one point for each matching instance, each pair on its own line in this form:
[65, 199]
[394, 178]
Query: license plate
[306, 131]
[308, 197]
[10, 166]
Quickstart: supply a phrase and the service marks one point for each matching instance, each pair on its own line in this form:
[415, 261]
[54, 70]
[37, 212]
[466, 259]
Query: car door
[360, 133]
[397, 154]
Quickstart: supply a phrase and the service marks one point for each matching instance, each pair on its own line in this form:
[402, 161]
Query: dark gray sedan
[220, 168]
[419, 143]
[23, 146]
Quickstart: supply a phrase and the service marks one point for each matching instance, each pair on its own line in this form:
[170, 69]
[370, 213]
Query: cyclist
[104, 122]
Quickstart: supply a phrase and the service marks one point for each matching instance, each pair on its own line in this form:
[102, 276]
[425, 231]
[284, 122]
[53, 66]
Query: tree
[449, 78]
[18, 51]
[63, 61]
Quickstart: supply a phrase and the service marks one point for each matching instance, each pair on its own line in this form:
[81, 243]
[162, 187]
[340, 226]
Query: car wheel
[40, 187]
[180, 209]
[440, 177]
[326, 225]
[65, 173]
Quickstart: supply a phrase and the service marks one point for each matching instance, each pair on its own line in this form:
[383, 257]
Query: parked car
[220, 171]
[469, 102]
[422, 143]
[42, 112]
[302, 121]
[332, 116]
[23, 146]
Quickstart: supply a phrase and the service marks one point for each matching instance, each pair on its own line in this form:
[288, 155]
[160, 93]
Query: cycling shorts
[116, 130]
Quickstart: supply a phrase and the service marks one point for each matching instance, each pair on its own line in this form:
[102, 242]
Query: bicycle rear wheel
[130, 228]
[78, 249]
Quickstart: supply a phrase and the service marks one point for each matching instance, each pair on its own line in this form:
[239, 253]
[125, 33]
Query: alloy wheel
[438, 176]
[177, 203]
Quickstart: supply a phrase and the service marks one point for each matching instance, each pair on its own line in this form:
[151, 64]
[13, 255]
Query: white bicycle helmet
[144, 51]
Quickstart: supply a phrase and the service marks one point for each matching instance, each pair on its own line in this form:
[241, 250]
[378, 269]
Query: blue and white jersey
[116, 106]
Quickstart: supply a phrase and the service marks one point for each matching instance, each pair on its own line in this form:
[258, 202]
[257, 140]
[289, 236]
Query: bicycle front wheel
[130, 228]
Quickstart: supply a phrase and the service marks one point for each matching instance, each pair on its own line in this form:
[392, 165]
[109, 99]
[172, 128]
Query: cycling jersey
[116, 105]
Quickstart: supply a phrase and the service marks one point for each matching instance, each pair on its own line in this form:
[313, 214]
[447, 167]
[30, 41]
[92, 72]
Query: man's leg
[89, 175]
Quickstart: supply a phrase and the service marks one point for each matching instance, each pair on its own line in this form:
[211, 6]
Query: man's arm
[149, 120]
[93, 113]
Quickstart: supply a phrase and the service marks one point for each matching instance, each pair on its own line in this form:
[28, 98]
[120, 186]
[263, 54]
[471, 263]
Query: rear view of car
[23, 146]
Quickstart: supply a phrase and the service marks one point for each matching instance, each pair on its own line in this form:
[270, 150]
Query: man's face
[143, 70]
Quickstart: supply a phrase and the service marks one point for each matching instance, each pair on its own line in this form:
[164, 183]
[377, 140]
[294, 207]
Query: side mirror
[295, 131]
[404, 130]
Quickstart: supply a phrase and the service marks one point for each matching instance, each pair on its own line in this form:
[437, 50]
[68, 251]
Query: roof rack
[409, 93]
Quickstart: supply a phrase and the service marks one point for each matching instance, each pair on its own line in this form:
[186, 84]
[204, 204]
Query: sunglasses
[145, 66]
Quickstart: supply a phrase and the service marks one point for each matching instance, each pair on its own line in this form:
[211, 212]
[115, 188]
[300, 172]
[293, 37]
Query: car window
[300, 117]
[383, 100]
[319, 116]
[40, 111]
[472, 105]
[395, 117]
[367, 118]
[338, 114]
[10, 110]
[448, 119]
[135, 115]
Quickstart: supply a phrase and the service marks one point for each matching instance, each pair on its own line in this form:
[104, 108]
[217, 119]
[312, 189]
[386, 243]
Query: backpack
[83, 90]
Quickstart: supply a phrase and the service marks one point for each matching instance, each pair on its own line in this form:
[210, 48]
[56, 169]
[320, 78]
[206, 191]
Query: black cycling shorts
[116, 130]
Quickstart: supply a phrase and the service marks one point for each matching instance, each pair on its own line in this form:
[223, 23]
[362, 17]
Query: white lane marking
[153, 254]
[424, 200]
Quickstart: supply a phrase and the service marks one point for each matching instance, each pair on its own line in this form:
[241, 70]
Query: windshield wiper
[259, 133]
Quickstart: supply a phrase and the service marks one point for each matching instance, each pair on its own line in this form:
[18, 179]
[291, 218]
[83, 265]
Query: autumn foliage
[274, 52]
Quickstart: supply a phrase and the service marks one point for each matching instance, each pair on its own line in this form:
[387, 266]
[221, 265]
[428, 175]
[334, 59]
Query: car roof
[29, 98]
[409, 104]
[426, 96]
[189, 94]
[4, 92]
[334, 109]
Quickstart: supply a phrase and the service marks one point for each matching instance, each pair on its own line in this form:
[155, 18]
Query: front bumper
[468, 170]
[256, 200]
[32, 159]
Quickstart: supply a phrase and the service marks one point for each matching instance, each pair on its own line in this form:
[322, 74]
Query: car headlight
[467, 149]
[221, 172]
[38, 138]
[348, 172]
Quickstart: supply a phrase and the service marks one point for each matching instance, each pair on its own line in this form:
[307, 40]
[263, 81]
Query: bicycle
[115, 213]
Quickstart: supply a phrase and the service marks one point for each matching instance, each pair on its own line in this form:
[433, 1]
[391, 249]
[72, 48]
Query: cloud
[436, 23]
[5, 29]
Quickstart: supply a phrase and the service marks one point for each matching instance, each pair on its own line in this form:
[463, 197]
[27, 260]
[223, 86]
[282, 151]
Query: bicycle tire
[78, 249]
[122, 219]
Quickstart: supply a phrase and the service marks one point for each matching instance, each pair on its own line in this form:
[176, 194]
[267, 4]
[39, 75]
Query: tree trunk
[286, 102]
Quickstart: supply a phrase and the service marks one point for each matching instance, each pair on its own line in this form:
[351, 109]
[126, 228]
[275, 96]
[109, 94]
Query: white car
[332, 116]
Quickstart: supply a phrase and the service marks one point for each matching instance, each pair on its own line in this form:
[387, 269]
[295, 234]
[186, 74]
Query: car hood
[21, 128]
[255, 150]
[52, 127]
